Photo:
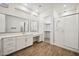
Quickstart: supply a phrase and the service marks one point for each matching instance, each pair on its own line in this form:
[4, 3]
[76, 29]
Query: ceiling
[40, 8]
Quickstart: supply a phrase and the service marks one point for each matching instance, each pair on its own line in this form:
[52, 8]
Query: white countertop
[3, 35]
[12, 34]
[36, 34]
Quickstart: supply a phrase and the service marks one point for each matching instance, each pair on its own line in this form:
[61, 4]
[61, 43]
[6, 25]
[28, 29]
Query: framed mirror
[34, 26]
[16, 24]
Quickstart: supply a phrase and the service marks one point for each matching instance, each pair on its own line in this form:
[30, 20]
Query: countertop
[3, 35]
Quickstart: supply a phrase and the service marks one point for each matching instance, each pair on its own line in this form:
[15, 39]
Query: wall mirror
[16, 24]
[34, 26]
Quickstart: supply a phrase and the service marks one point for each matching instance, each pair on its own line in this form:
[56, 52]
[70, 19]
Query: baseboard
[65, 47]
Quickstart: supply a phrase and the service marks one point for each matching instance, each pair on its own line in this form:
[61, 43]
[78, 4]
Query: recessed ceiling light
[64, 5]
[25, 4]
[36, 10]
[34, 13]
[22, 8]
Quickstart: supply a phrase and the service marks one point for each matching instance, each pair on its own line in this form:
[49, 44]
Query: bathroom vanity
[12, 42]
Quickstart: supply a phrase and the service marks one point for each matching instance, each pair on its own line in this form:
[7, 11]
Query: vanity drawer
[9, 39]
[7, 50]
[8, 45]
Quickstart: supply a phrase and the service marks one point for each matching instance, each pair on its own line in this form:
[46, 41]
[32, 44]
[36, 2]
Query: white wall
[59, 11]
[12, 11]
[2, 23]
[0, 49]
[41, 25]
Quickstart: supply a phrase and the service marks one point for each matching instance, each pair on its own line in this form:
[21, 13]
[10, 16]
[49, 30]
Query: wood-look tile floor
[44, 49]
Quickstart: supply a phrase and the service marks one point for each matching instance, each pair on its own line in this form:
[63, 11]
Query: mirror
[34, 26]
[16, 24]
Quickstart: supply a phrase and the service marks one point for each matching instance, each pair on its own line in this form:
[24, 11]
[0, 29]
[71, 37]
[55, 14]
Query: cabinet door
[0, 48]
[71, 31]
[2, 23]
[29, 40]
[20, 42]
[8, 45]
[59, 31]
[41, 38]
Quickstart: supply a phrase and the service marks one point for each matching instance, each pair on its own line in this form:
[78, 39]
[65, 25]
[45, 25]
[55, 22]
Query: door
[59, 30]
[71, 31]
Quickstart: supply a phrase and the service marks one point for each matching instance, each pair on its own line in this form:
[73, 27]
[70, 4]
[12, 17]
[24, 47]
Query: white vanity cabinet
[8, 45]
[0, 48]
